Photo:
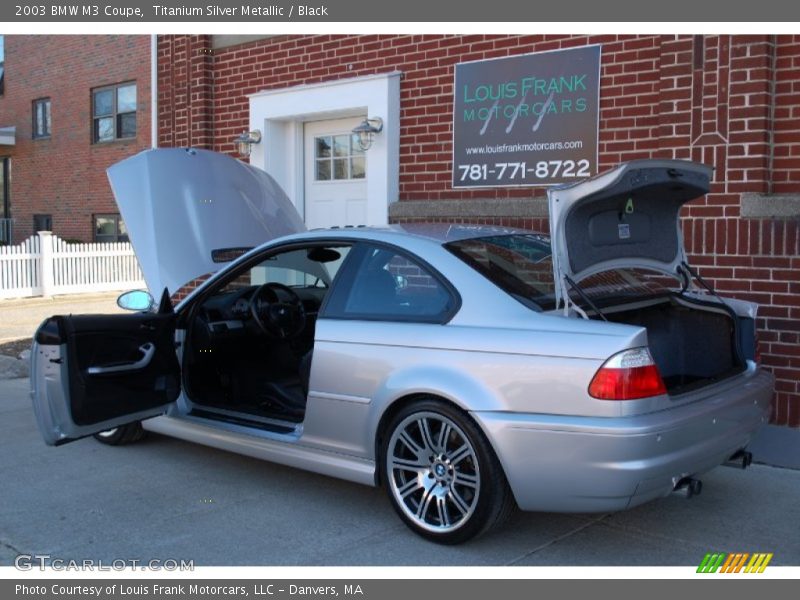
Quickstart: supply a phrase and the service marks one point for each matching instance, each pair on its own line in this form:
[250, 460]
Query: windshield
[521, 265]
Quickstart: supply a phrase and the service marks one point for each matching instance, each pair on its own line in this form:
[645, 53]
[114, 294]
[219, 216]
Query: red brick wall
[731, 101]
[786, 162]
[65, 174]
[185, 91]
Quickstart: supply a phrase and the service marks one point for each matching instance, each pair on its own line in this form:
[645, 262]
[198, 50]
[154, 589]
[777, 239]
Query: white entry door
[335, 174]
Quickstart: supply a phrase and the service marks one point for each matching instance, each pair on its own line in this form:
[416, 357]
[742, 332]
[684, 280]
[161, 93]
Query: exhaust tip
[741, 459]
[688, 487]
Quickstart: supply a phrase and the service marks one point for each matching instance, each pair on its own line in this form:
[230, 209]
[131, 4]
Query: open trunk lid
[626, 217]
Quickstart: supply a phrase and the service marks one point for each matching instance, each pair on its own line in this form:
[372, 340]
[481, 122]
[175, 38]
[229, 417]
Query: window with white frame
[338, 157]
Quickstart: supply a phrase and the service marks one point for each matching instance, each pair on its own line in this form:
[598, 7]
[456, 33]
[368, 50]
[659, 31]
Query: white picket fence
[44, 265]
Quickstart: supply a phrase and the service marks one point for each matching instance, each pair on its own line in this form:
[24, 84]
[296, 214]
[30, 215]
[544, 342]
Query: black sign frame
[527, 120]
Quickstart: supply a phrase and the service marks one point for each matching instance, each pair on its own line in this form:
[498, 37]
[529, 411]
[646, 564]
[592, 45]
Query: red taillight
[627, 375]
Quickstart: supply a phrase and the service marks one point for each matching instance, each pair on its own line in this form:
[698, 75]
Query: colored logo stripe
[734, 562]
[711, 563]
[758, 563]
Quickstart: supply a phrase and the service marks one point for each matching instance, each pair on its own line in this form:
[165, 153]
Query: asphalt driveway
[168, 499]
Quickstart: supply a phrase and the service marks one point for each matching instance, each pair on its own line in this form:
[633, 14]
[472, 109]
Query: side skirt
[340, 466]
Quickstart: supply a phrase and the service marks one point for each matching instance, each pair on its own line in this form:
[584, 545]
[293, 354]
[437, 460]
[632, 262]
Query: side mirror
[138, 300]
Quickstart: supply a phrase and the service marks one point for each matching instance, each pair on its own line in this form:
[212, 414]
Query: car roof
[436, 232]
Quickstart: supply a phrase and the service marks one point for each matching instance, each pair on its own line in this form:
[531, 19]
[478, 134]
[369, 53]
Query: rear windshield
[521, 264]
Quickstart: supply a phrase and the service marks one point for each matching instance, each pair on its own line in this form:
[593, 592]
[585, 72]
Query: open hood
[626, 217]
[189, 212]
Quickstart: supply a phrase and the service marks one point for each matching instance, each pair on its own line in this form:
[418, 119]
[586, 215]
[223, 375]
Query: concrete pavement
[164, 498]
[20, 318]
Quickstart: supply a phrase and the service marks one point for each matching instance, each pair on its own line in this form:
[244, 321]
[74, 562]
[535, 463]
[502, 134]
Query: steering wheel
[278, 311]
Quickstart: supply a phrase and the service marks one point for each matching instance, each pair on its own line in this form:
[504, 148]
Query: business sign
[527, 120]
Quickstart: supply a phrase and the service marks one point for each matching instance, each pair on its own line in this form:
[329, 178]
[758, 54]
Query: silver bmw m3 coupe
[466, 369]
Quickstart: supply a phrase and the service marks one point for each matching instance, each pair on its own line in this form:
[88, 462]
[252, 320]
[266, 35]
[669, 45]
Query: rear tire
[442, 476]
[124, 434]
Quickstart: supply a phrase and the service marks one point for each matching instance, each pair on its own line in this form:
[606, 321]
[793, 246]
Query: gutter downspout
[154, 91]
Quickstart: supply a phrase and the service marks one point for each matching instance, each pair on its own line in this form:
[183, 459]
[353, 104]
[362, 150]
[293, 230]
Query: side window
[2, 64]
[109, 228]
[114, 112]
[385, 284]
[42, 120]
[302, 268]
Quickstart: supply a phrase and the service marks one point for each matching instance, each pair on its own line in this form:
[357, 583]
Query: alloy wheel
[433, 472]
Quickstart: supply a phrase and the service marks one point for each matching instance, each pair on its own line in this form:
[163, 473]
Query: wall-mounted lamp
[246, 141]
[366, 132]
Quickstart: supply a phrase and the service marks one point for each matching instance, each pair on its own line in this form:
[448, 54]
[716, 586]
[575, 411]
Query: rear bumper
[589, 464]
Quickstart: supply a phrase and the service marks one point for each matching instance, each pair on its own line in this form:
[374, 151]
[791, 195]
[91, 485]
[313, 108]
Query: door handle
[148, 350]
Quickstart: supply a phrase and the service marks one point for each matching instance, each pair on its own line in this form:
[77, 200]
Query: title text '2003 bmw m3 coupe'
[467, 369]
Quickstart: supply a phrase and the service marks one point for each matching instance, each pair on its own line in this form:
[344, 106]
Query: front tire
[442, 476]
[119, 436]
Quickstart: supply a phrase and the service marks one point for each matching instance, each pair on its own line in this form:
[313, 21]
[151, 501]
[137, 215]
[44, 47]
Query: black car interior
[250, 342]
